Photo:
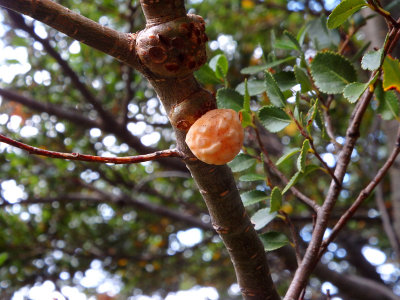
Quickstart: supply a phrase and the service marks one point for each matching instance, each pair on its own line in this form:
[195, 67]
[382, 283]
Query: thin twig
[308, 201]
[362, 196]
[92, 158]
[295, 237]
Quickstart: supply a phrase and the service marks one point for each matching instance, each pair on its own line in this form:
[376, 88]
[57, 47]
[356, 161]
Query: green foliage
[353, 91]
[274, 92]
[276, 199]
[241, 162]
[391, 74]
[332, 72]
[273, 118]
[262, 218]
[372, 60]
[253, 197]
[273, 240]
[343, 11]
[228, 98]
[301, 161]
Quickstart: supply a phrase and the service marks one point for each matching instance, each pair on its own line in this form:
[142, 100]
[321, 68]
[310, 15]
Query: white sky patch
[150, 139]
[74, 48]
[190, 237]
[95, 132]
[9, 71]
[40, 30]
[137, 128]
[42, 77]
[109, 141]
[196, 293]
[329, 158]
[329, 286]
[11, 191]
[373, 255]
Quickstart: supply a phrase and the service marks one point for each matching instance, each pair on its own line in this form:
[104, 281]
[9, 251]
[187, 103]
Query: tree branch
[114, 43]
[69, 114]
[92, 158]
[353, 132]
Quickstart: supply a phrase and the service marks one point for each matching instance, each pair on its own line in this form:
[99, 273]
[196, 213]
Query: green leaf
[273, 118]
[288, 155]
[253, 197]
[276, 199]
[310, 168]
[3, 258]
[353, 91]
[273, 91]
[255, 87]
[388, 103]
[206, 75]
[302, 79]
[261, 68]
[252, 177]
[241, 163]
[292, 182]
[293, 40]
[301, 161]
[391, 74]
[228, 98]
[273, 240]
[262, 217]
[219, 64]
[332, 72]
[285, 80]
[246, 102]
[321, 36]
[343, 11]
[372, 60]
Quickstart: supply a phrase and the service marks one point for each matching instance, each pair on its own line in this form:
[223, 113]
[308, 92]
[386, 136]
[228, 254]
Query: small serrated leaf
[372, 60]
[301, 161]
[287, 156]
[262, 217]
[252, 177]
[343, 11]
[276, 199]
[253, 197]
[273, 118]
[292, 182]
[332, 72]
[273, 91]
[293, 40]
[273, 240]
[241, 162]
[388, 106]
[228, 98]
[255, 87]
[353, 91]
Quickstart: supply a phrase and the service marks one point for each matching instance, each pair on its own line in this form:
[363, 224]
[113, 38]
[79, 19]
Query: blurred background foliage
[144, 229]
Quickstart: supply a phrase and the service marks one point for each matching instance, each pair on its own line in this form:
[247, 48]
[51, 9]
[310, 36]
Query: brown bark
[169, 68]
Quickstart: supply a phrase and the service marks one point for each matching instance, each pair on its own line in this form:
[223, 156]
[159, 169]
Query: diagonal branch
[114, 43]
[71, 115]
[92, 158]
[87, 95]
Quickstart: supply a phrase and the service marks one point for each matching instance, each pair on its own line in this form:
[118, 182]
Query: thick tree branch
[114, 43]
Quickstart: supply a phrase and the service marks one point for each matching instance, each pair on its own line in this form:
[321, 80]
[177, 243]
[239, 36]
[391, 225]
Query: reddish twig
[92, 158]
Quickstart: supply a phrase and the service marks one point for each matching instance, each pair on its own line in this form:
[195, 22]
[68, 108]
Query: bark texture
[167, 52]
